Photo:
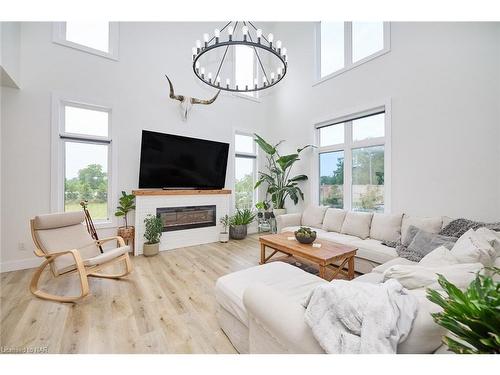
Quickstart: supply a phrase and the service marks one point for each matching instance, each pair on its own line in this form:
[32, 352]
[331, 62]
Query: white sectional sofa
[364, 230]
[260, 308]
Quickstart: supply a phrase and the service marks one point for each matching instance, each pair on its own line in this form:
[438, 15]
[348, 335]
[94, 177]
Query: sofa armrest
[287, 220]
[276, 323]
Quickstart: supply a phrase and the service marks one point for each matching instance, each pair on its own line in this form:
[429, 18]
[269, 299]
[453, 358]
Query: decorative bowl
[305, 240]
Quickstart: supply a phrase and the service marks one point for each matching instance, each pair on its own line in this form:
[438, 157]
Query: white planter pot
[224, 237]
[279, 211]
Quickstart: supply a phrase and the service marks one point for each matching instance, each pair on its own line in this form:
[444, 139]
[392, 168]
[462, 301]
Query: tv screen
[175, 162]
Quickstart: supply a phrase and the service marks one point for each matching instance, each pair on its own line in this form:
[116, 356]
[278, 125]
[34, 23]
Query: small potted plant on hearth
[127, 204]
[152, 234]
[238, 223]
[224, 235]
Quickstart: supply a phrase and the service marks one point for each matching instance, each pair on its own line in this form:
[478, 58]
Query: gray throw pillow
[422, 243]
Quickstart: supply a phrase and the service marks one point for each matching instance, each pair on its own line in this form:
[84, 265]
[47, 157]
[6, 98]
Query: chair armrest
[287, 220]
[114, 238]
[74, 252]
[280, 322]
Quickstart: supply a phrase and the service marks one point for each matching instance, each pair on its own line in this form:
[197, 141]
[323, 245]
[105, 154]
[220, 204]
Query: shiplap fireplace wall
[148, 201]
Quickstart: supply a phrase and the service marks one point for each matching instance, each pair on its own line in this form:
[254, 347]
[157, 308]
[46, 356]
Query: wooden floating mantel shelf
[142, 192]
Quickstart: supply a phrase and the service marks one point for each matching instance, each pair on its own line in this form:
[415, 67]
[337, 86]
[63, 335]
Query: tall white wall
[443, 80]
[136, 88]
[9, 53]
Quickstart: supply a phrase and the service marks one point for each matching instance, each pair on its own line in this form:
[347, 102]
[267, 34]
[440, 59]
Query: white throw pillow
[492, 237]
[357, 224]
[333, 220]
[385, 227]
[440, 256]
[415, 277]
[313, 216]
[473, 247]
[429, 224]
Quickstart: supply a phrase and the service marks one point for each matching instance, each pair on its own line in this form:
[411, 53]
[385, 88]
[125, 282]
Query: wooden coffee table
[324, 256]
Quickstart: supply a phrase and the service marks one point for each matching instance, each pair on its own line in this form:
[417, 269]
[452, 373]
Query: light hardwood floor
[166, 305]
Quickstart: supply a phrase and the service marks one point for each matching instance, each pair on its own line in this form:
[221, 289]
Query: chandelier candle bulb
[217, 80]
[255, 83]
[210, 77]
[270, 39]
[205, 39]
[278, 45]
[217, 35]
[246, 87]
[197, 66]
[198, 46]
[228, 82]
[194, 53]
[258, 32]
[283, 52]
[202, 71]
[244, 30]
[230, 32]
[272, 77]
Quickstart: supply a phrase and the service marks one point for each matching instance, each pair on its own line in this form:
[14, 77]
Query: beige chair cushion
[333, 220]
[429, 224]
[67, 238]
[357, 224]
[385, 227]
[58, 220]
[106, 256]
[313, 216]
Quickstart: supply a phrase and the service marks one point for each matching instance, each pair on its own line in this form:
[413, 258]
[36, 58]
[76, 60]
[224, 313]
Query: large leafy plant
[242, 217]
[127, 204]
[280, 185]
[472, 316]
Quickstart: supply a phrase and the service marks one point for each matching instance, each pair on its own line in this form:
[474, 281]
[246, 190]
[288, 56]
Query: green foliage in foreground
[472, 316]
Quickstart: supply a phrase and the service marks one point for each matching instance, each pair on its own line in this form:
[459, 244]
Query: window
[344, 45]
[245, 71]
[96, 37]
[245, 171]
[83, 159]
[352, 162]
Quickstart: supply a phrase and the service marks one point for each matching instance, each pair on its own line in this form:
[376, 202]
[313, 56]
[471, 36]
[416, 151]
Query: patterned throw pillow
[457, 227]
[418, 243]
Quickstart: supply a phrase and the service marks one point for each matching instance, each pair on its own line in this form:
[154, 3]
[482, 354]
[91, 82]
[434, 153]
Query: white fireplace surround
[148, 203]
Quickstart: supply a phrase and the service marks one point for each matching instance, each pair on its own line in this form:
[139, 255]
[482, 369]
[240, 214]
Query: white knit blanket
[358, 317]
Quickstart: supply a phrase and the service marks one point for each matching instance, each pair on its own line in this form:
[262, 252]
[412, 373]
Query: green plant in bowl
[305, 235]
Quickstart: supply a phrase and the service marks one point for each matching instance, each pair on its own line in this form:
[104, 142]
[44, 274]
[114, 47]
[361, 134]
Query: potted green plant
[280, 185]
[126, 204]
[262, 210]
[471, 316]
[224, 235]
[238, 223]
[152, 234]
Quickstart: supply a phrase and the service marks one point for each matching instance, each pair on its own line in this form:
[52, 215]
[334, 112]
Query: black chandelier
[259, 44]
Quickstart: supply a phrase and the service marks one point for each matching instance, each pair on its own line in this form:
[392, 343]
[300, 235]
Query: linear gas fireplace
[189, 217]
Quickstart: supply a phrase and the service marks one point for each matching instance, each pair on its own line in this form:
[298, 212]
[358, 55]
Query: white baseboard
[15, 265]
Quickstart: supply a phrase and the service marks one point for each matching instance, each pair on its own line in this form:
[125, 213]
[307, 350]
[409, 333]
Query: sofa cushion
[429, 224]
[372, 278]
[492, 237]
[472, 247]
[344, 239]
[374, 250]
[285, 278]
[357, 224]
[333, 220]
[313, 216]
[440, 256]
[393, 262]
[385, 227]
[425, 336]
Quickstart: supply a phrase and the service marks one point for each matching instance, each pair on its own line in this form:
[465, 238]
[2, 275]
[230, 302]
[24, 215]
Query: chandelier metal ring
[261, 44]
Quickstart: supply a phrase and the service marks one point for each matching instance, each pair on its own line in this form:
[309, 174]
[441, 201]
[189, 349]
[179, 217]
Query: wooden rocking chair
[62, 239]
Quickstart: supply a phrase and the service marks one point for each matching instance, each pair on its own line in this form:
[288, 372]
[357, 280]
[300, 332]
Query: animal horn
[172, 94]
[201, 101]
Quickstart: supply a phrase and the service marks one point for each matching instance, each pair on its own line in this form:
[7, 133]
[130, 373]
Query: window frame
[59, 37]
[348, 63]
[58, 153]
[348, 146]
[248, 155]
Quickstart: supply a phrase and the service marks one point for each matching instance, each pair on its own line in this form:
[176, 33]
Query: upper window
[96, 37]
[343, 45]
[84, 159]
[245, 171]
[352, 164]
[245, 71]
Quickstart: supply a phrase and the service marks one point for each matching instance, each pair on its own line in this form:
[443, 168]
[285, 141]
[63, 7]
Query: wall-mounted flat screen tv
[174, 162]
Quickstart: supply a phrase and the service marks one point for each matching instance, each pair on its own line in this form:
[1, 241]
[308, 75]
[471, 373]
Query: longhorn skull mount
[186, 102]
